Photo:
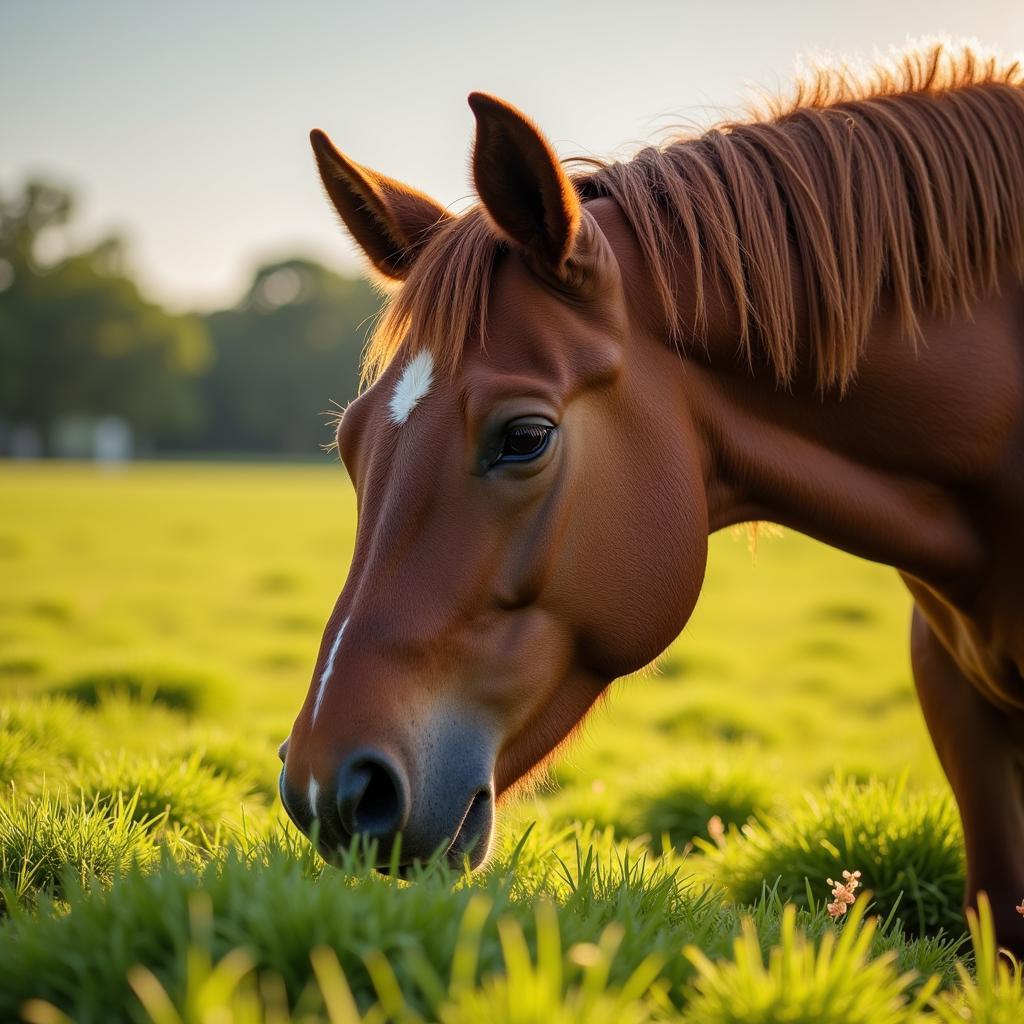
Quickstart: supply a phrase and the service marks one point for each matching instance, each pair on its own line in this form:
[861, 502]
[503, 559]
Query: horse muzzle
[447, 810]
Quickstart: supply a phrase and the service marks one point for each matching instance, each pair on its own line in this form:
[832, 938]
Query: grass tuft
[53, 724]
[676, 803]
[23, 761]
[184, 795]
[180, 688]
[685, 801]
[906, 844]
[251, 766]
[834, 981]
[994, 993]
[48, 840]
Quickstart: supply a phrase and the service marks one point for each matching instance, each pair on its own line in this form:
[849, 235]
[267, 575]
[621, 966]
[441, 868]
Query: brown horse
[814, 317]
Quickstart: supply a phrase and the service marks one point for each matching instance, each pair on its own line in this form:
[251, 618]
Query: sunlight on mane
[929, 143]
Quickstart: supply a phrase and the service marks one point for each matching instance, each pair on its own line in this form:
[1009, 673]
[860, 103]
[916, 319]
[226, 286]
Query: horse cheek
[645, 551]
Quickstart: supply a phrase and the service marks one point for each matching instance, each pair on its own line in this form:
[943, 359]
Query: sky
[184, 126]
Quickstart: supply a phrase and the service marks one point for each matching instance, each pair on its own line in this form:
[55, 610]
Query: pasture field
[158, 626]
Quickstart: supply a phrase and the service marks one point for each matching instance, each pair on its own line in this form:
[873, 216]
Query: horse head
[531, 512]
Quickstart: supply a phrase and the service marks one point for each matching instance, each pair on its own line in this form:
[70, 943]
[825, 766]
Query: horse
[812, 315]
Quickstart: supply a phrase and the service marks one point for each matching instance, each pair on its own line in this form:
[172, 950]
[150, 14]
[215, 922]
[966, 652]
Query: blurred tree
[77, 338]
[288, 351]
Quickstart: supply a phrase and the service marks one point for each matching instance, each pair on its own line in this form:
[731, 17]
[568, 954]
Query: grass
[178, 688]
[49, 841]
[186, 796]
[672, 804]
[278, 908]
[155, 646]
[907, 846]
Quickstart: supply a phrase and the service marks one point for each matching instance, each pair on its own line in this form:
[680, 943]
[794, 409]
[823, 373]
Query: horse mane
[906, 181]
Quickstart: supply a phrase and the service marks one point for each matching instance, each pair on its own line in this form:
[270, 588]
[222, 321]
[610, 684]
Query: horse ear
[388, 219]
[521, 182]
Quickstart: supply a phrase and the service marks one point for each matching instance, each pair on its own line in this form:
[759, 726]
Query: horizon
[202, 161]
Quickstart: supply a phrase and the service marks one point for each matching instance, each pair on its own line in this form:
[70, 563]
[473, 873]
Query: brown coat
[815, 317]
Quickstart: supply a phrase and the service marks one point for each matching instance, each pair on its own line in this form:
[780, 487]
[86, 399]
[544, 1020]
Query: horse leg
[982, 760]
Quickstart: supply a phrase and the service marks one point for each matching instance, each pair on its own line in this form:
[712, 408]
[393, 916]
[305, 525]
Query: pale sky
[185, 124]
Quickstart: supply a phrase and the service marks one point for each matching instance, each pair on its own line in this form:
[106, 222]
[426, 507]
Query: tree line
[78, 339]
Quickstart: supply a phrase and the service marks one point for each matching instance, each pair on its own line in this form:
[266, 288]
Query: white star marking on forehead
[412, 386]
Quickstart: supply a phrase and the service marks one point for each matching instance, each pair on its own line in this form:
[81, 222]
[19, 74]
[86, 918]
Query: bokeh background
[166, 254]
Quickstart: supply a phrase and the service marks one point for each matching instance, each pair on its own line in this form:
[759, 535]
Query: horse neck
[880, 470]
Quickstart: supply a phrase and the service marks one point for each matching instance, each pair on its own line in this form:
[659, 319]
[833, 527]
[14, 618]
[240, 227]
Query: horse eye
[524, 441]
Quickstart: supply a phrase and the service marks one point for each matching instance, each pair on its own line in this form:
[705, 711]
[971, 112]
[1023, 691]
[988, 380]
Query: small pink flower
[1020, 908]
[716, 830]
[836, 910]
[844, 893]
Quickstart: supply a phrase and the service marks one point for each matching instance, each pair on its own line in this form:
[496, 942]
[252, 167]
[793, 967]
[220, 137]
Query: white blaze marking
[412, 386]
[328, 669]
[312, 793]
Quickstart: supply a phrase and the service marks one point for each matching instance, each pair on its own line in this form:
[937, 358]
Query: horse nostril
[371, 796]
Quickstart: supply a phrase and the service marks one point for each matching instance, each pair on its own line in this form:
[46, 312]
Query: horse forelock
[905, 179]
[442, 305]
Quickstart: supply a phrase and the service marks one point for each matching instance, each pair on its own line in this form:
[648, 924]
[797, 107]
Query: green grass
[158, 627]
[179, 688]
[906, 845]
[187, 796]
[672, 804]
[48, 841]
